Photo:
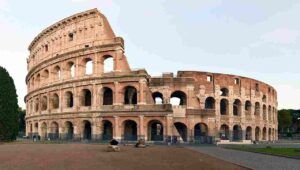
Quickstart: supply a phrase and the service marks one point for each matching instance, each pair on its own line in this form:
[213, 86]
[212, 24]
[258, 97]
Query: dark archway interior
[87, 133]
[224, 107]
[200, 130]
[87, 95]
[210, 103]
[257, 133]
[224, 132]
[224, 92]
[182, 130]
[69, 99]
[107, 96]
[248, 133]
[237, 108]
[130, 130]
[156, 131]
[107, 130]
[130, 96]
[237, 133]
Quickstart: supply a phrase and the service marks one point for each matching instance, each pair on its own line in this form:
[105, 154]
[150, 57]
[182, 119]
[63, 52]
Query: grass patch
[290, 152]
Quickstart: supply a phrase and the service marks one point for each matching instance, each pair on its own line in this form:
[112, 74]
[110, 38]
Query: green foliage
[8, 107]
[22, 114]
[284, 118]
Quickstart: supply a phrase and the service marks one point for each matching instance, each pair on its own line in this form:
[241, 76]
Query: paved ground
[250, 160]
[94, 156]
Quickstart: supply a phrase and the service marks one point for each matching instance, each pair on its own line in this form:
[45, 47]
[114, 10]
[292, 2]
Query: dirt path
[85, 156]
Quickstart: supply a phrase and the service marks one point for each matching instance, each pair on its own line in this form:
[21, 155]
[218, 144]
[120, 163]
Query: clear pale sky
[252, 38]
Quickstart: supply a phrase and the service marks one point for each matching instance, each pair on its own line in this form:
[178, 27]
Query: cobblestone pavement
[250, 160]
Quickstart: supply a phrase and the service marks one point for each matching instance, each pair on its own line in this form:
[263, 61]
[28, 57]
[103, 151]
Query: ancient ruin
[72, 96]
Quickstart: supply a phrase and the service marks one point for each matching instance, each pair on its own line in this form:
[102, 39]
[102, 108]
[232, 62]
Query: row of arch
[85, 99]
[69, 70]
[236, 134]
[130, 130]
[237, 107]
[155, 131]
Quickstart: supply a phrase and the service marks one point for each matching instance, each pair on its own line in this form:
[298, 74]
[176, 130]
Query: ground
[94, 156]
[251, 160]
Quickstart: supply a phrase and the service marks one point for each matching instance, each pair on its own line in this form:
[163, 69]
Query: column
[117, 97]
[97, 129]
[142, 96]
[117, 129]
[141, 128]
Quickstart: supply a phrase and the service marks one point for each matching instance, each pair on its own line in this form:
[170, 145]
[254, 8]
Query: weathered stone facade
[66, 101]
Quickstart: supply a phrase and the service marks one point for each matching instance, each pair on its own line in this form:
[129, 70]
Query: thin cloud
[281, 36]
[4, 6]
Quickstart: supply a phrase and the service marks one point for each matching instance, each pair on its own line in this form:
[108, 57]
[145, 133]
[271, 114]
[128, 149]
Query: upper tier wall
[75, 32]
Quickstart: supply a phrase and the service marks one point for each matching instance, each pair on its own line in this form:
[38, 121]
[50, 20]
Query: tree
[8, 107]
[22, 114]
[284, 119]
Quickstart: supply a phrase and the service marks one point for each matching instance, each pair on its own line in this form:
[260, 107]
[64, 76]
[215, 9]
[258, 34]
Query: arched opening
[86, 98]
[270, 134]
[36, 129]
[264, 112]
[158, 98]
[44, 131]
[210, 103]
[224, 92]
[178, 98]
[264, 133]
[87, 130]
[107, 96]
[36, 106]
[107, 130]
[54, 133]
[56, 73]
[44, 103]
[38, 80]
[257, 109]
[69, 130]
[237, 107]
[130, 130]
[32, 83]
[224, 107]
[200, 132]
[224, 132]
[155, 131]
[69, 99]
[237, 133]
[71, 69]
[264, 98]
[248, 107]
[257, 133]
[108, 64]
[88, 63]
[248, 133]
[181, 130]
[55, 101]
[45, 75]
[130, 96]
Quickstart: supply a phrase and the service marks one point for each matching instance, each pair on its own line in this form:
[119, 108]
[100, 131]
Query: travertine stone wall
[71, 96]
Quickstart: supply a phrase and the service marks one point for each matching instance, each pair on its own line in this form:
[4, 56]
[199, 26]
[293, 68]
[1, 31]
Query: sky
[252, 38]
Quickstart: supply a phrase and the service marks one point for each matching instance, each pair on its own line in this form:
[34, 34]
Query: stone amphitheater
[74, 95]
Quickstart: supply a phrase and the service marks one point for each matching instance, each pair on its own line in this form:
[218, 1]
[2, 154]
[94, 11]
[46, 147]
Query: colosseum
[74, 94]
